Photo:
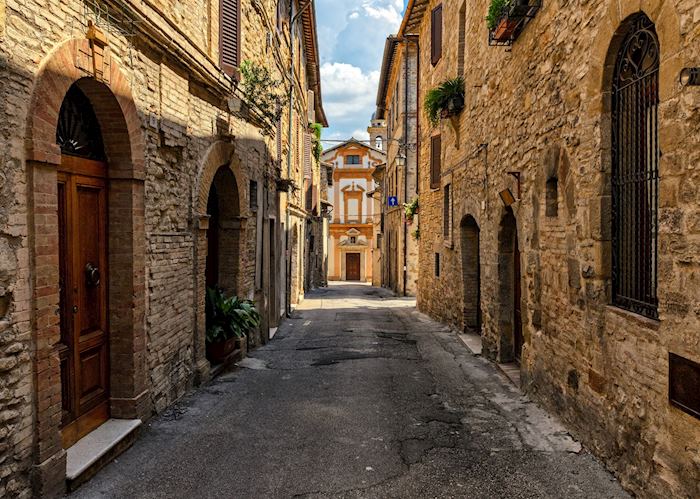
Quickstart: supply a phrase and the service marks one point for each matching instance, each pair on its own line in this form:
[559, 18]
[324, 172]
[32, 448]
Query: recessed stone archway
[99, 77]
[218, 203]
[510, 328]
[471, 274]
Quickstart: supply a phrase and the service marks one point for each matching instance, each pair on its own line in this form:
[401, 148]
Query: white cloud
[351, 37]
[349, 94]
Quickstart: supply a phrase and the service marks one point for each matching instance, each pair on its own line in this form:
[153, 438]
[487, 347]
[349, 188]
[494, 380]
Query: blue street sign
[393, 201]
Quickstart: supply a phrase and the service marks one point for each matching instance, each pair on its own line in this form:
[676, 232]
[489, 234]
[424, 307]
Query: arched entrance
[471, 274]
[83, 275]
[222, 264]
[509, 274]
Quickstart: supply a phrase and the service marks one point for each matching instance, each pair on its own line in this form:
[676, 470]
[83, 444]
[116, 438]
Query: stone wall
[542, 109]
[180, 131]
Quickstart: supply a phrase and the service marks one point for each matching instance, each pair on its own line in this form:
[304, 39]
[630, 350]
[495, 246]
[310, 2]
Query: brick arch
[69, 63]
[220, 153]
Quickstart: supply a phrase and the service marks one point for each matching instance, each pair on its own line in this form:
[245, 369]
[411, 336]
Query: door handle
[75, 309]
[92, 274]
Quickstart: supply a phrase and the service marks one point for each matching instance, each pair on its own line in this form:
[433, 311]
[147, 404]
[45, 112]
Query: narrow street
[357, 396]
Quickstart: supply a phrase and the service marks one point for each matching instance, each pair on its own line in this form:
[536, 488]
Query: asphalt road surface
[357, 396]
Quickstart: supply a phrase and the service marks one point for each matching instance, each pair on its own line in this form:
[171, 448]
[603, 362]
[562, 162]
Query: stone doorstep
[472, 342]
[512, 372]
[97, 448]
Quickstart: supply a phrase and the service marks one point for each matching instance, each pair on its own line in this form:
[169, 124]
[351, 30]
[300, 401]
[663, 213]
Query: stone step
[98, 448]
[472, 342]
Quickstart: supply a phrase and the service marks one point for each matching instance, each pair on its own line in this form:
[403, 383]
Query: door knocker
[92, 274]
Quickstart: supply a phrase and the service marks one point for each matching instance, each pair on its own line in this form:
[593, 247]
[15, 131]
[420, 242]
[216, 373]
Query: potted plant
[499, 22]
[228, 320]
[411, 209]
[445, 100]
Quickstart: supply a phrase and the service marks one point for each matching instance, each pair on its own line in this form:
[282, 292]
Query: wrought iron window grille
[635, 172]
[515, 16]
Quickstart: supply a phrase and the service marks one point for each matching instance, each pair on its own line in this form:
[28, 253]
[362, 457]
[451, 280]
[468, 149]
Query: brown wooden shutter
[436, 35]
[435, 161]
[229, 35]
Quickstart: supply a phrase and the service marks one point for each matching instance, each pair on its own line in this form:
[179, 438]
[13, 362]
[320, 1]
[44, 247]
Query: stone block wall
[542, 109]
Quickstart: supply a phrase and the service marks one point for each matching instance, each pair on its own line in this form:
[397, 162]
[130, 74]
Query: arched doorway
[471, 274]
[83, 274]
[222, 265]
[510, 319]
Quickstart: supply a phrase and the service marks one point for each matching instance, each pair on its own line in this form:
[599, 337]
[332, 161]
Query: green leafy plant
[228, 316]
[260, 90]
[316, 129]
[447, 99]
[496, 10]
[411, 209]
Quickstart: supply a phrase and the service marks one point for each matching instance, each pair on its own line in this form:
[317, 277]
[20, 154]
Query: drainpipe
[290, 130]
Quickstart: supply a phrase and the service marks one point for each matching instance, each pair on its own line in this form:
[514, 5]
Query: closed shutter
[308, 172]
[229, 36]
[436, 35]
[435, 161]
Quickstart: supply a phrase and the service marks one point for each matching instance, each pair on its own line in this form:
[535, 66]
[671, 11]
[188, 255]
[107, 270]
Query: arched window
[635, 169]
[378, 143]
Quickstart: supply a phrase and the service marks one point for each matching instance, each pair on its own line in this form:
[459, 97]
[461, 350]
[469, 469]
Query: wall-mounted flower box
[507, 18]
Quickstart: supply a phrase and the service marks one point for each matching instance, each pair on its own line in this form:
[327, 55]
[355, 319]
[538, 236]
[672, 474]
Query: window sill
[640, 320]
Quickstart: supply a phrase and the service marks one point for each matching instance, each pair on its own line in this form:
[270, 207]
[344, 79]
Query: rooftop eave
[308, 20]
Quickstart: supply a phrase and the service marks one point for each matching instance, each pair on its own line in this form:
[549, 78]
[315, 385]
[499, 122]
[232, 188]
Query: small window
[253, 193]
[378, 143]
[437, 264]
[436, 35]
[446, 211]
[462, 39]
[353, 240]
[352, 159]
[552, 197]
[435, 161]
[282, 14]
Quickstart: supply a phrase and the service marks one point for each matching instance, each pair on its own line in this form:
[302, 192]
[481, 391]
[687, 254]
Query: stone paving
[358, 395]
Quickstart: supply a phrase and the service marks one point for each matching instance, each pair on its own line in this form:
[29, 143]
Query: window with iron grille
[229, 36]
[253, 193]
[635, 169]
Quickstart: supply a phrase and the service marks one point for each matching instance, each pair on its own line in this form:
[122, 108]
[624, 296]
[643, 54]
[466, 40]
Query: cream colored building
[352, 244]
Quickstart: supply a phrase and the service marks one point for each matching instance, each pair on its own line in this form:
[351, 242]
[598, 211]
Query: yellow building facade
[352, 245]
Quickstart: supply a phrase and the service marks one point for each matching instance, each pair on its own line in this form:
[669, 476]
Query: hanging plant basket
[445, 100]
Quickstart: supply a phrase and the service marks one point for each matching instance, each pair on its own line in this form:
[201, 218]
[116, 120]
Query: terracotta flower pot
[218, 352]
[505, 29]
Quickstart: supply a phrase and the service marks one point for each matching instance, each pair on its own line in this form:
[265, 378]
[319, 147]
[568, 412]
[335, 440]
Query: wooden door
[352, 266]
[517, 295]
[84, 346]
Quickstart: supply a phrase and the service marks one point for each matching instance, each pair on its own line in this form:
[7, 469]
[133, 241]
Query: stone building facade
[397, 104]
[352, 249]
[134, 174]
[526, 213]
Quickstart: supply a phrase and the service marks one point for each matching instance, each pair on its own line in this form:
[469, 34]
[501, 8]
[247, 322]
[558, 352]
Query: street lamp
[401, 160]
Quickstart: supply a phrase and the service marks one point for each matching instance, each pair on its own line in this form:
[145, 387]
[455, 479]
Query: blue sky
[351, 35]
